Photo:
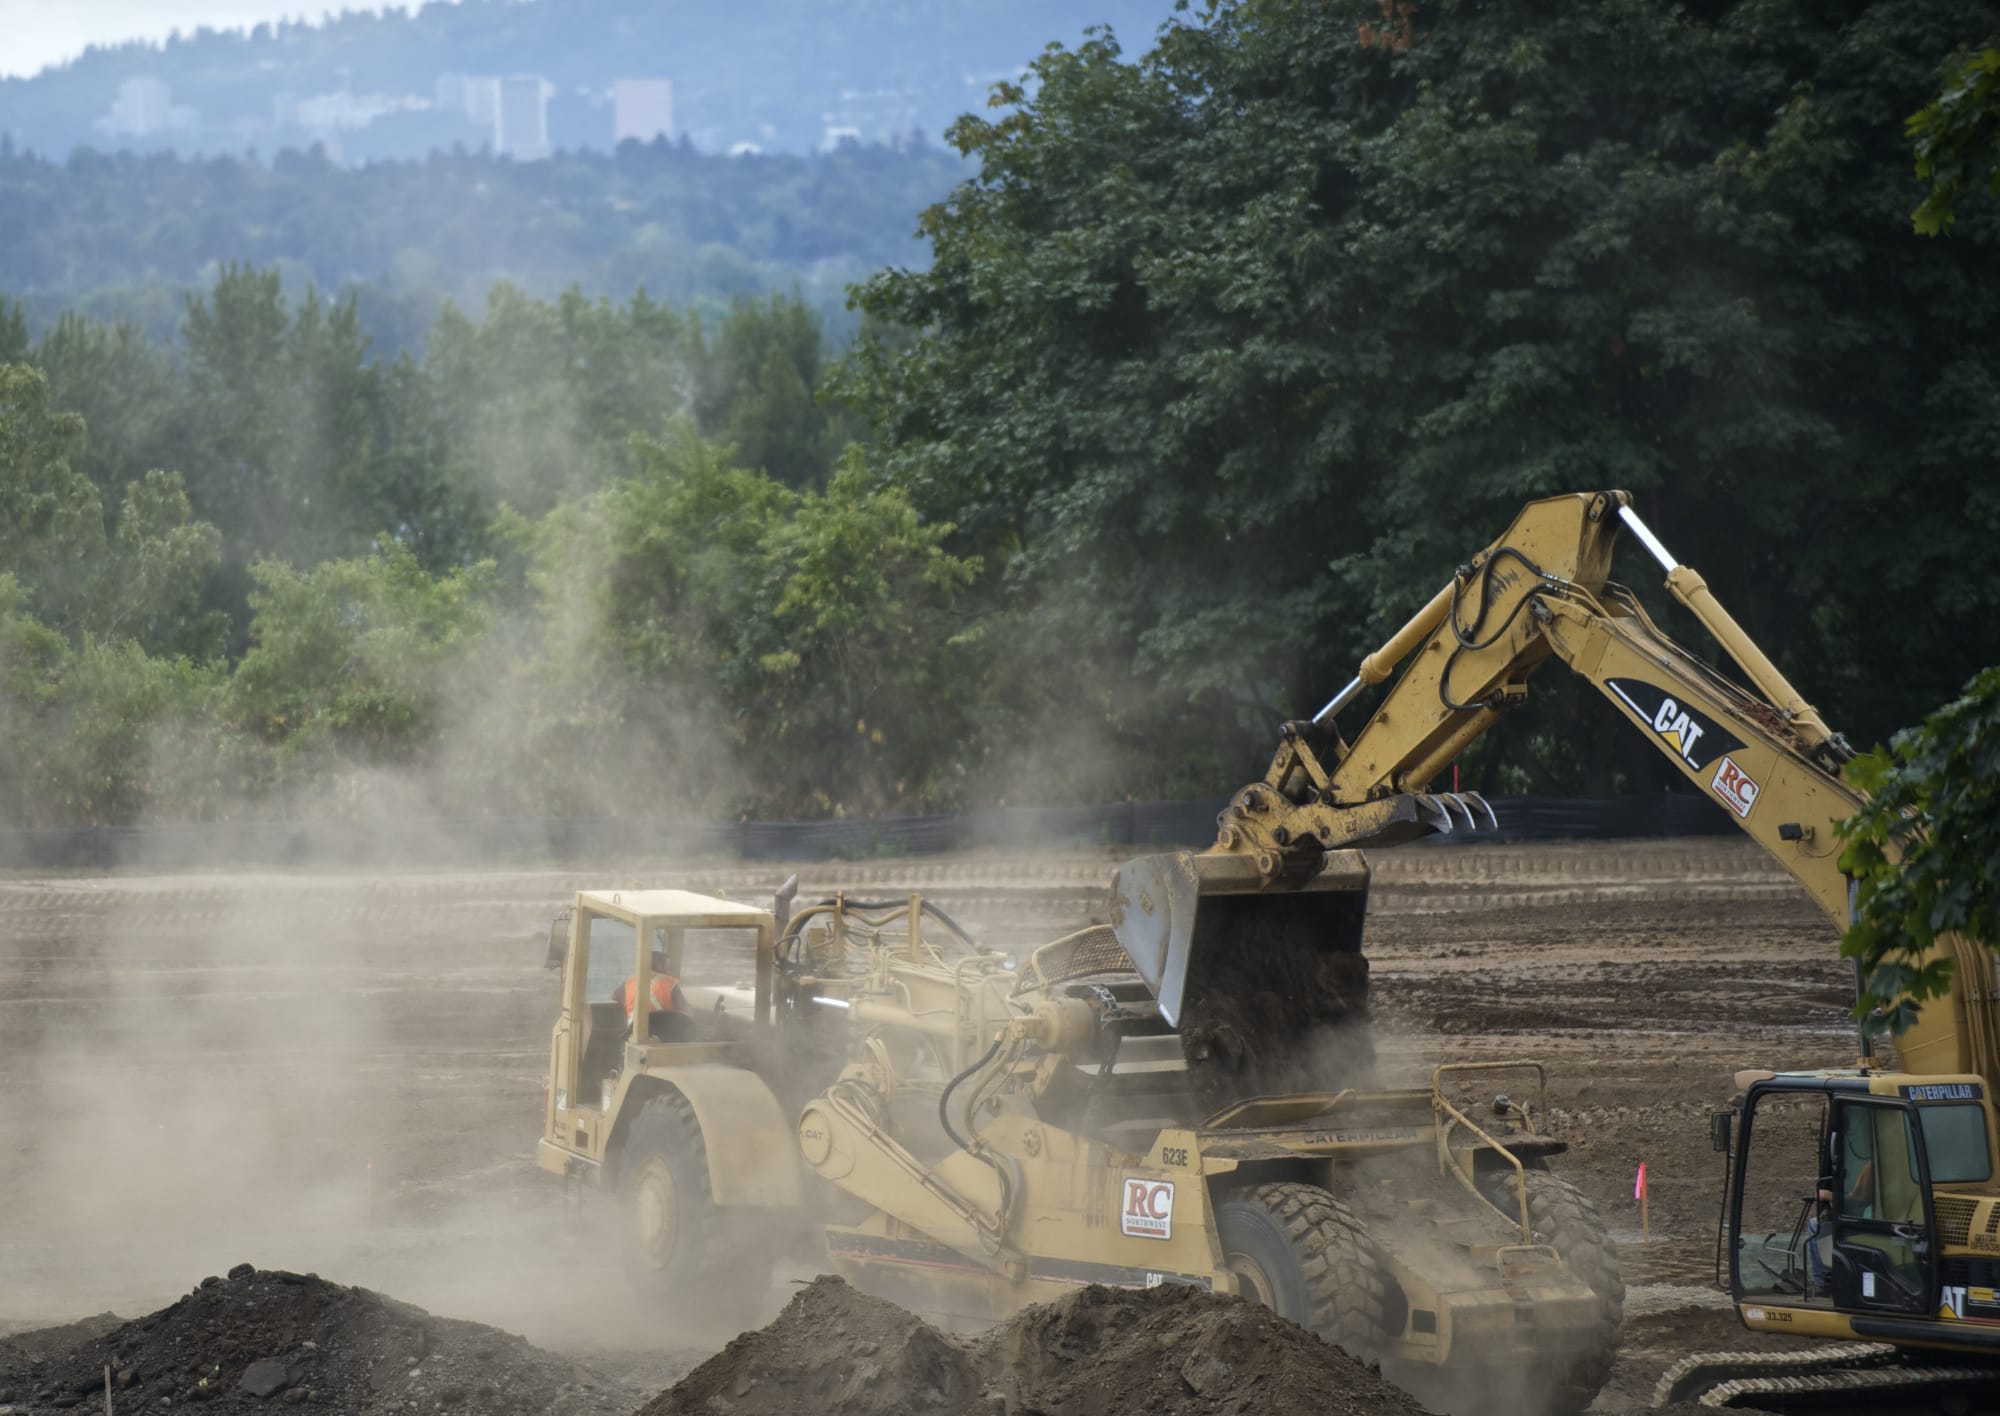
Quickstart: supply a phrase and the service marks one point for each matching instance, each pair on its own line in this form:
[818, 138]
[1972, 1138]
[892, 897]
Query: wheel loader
[860, 1085]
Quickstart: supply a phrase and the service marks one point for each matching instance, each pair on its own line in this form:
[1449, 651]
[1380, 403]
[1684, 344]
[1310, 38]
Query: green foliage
[49, 517]
[873, 665]
[130, 234]
[13, 332]
[125, 387]
[1225, 358]
[762, 648]
[142, 583]
[353, 660]
[1925, 851]
[286, 411]
[756, 393]
[521, 572]
[103, 733]
[149, 585]
[133, 734]
[1228, 355]
[1957, 139]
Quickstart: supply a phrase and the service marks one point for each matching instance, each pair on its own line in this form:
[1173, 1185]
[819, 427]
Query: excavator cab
[1863, 1204]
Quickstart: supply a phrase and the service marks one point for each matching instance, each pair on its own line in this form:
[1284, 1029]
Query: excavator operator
[669, 1019]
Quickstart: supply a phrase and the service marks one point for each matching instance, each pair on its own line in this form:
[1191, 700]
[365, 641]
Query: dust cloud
[316, 1072]
[326, 1072]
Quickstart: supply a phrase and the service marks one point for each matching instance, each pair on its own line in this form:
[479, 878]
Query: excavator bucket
[1255, 978]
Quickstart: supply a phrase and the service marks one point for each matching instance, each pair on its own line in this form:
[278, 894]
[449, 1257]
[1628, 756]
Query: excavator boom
[1541, 591]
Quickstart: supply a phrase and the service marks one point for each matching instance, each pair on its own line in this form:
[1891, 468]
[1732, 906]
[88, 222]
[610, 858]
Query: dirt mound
[265, 1336]
[1170, 1351]
[21, 1348]
[833, 1350]
[1176, 1350]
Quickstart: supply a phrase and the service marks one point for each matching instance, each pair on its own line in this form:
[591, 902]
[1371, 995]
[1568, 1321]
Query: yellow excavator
[1861, 1204]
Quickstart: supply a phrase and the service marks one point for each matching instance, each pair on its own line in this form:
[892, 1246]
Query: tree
[127, 390]
[143, 583]
[1230, 354]
[13, 332]
[288, 422]
[818, 625]
[129, 235]
[1957, 139]
[104, 733]
[149, 586]
[31, 655]
[700, 637]
[351, 661]
[50, 521]
[540, 401]
[869, 699]
[756, 390]
[1925, 851]
[129, 735]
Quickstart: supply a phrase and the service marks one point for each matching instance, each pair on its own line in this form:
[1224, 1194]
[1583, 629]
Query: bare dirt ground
[343, 1074]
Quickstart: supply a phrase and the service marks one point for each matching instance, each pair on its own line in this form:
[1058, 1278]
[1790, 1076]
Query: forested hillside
[781, 74]
[1222, 362]
[124, 236]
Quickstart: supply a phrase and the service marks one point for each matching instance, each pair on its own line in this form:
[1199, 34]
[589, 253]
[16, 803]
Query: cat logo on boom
[1698, 741]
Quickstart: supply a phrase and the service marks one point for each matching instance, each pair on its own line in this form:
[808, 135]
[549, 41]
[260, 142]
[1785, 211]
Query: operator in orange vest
[670, 1005]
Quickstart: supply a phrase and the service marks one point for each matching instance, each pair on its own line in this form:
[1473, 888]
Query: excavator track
[1849, 1377]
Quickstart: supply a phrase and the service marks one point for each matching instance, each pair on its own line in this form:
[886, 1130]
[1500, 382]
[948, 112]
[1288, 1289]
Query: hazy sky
[37, 33]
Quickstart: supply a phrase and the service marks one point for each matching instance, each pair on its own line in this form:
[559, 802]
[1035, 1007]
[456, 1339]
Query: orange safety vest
[663, 993]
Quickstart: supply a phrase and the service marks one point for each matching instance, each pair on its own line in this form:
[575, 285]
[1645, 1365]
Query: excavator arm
[1541, 591]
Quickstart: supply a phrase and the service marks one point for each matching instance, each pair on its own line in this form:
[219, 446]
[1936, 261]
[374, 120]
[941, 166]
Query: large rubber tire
[1562, 1217]
[676, 1241]
[1300, 1253]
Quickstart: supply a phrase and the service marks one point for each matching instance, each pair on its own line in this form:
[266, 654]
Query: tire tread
[1346, 1295]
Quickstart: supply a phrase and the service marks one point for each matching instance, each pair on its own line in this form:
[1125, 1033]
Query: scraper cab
[1268, 988]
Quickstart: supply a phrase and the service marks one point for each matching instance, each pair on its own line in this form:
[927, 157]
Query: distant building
[477, 97]
[481, 97]
[642, 109]
[144, 107]
[521, 129]
[141, 107]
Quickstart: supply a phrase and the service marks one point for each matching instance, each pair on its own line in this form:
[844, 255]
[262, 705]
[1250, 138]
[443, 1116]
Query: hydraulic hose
[1004, 1167]
[881, 906]
[944, 1097]
[1467, 638]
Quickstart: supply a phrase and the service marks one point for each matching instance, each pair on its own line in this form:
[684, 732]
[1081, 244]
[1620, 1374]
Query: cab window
[713, 955]
[612, 952]
[1878, 1179]
[1955, 1144]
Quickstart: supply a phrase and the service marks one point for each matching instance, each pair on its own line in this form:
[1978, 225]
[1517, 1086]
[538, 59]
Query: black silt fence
[1141, 825]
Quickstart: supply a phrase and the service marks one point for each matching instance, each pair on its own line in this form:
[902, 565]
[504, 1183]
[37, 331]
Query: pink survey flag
[1639, 1183]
